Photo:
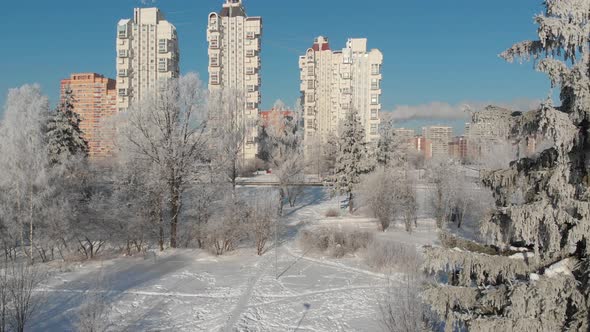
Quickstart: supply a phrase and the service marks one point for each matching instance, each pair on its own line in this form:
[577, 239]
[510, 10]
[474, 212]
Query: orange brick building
[458, 148]
[95, 101]
[423, 145]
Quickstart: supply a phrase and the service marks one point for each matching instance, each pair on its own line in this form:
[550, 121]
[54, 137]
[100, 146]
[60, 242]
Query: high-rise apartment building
[335, 82]
[440, 137]
[234, 63]
[147, 55]
[95, 101]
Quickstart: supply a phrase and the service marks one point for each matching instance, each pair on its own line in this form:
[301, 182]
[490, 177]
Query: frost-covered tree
[352, 158]
[389, 194]
[228, 126]
[535, 276]
[24, 163]
[390, 151]
[167, 132]
[284, 152]
[64, 136]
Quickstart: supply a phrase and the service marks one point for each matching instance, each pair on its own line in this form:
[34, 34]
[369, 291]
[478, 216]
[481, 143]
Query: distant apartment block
[147, 55]
[95, 101]
[335, 82]
[423, 145]
[458, 148]
[403, 135]
[275, 118]
[234, 63]
[440, 137]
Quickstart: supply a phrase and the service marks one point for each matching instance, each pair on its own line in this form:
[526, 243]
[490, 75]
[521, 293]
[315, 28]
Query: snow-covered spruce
[352, 158]
[64, 136]
[546, 289]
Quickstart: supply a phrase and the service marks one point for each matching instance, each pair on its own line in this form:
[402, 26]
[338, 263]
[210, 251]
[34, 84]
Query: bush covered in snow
[385, 254]
[331, 213]
[337, 243]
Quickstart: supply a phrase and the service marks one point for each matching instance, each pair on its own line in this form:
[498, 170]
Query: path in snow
[235, 314]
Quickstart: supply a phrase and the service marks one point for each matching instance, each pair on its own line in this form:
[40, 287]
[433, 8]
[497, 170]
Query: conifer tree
[352, 158]
[65, 138]
[533, 274]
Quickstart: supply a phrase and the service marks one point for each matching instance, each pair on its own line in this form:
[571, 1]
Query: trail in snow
[235, 314]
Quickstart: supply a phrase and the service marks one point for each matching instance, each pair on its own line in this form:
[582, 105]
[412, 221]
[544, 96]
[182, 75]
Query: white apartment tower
[334, 82]
[440, 137]
[147, 54]
[234, 63]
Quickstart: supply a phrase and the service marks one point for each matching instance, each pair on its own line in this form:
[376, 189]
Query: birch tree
[284, 152]
[535, 276]
[229, 129]
[167, 131]
[24, 161]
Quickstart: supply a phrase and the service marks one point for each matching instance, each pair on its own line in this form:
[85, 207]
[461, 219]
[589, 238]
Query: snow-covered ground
[192, 290]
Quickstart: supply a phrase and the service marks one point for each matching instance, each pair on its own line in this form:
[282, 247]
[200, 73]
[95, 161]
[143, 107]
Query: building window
[250, 35]
[310, 111]
[214, 61]
[310, 98]
[346, 75]
[375, 84]
[374, 99]
[214, 78]
[123, 73]
[122, 92]
[375, 69]
[251, 88]
[162, 65]
[310, 84]
[374, 114]
[251, 105]
[214, 43]
[162, 46]
[374, 129]
[123, 32]
[123, 53]
[250, 53]
[250, 70]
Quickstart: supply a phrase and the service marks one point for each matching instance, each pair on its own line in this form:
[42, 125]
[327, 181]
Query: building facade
[147, 55]
[234, 63]
[440, 137]
[458, 148]
[95, 102]
[335, 82]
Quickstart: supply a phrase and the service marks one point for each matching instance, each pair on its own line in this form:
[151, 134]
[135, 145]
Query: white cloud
[444, 111]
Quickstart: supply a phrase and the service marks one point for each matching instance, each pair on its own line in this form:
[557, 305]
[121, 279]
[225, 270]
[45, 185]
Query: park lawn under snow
[192, 290]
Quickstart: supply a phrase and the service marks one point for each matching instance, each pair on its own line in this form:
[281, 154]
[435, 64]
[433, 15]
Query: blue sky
[434, 50]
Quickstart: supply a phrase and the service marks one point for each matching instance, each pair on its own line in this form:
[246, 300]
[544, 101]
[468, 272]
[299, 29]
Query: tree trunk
[175, 210]
[281, 201]
[31, 224]
[350, 203]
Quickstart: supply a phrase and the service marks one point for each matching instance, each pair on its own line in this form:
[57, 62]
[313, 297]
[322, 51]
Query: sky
[439, 55]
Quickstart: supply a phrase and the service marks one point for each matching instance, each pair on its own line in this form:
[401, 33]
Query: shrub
[337, 243]
[331, 213]
[385, 254]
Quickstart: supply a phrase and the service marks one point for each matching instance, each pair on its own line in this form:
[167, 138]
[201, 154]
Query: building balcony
[123, 73]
